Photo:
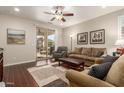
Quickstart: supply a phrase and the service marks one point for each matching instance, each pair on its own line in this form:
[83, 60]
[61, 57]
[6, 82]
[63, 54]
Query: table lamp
[120, 42]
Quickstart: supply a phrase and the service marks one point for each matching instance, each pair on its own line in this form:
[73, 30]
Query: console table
[1, 64]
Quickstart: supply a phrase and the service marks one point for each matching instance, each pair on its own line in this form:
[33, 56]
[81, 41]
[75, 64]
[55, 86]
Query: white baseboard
[22, 62]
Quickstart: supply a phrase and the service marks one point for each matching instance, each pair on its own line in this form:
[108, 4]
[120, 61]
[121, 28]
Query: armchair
[61, 52]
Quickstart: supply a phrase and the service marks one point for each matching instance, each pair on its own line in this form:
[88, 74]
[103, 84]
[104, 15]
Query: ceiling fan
[58, 13]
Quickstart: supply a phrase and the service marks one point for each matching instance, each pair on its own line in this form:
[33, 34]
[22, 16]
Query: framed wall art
[97, 37]
[15, 36]
[82, 38]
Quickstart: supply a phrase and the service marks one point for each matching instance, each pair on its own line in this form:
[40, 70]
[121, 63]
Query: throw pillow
[99, 53]
[86, 51]
[100, 71]
[109, 58]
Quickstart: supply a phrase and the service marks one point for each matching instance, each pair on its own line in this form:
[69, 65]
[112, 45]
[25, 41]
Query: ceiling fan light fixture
[58, 14]
[58, 17]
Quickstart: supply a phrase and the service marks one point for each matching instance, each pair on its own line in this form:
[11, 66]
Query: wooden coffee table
[77, 64]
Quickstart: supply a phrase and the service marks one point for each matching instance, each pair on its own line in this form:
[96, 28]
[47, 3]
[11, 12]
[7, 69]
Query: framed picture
[82, 38]
[97, 37]
[15, 36]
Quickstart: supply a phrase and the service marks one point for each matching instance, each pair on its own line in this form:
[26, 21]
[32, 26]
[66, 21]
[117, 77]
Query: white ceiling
[81, 13]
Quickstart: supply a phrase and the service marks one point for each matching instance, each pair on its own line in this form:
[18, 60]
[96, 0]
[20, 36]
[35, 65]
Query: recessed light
[104, 6]
[16, 9]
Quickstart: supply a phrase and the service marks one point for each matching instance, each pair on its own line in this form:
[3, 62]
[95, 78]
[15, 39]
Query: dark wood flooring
[18, 76]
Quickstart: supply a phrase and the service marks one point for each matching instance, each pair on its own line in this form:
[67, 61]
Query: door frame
[46, 39]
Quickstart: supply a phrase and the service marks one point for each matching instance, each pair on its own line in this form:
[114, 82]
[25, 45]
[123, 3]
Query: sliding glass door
[45, 43]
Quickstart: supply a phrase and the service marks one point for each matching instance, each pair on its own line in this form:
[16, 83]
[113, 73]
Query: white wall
[15, 54]
[108, 22]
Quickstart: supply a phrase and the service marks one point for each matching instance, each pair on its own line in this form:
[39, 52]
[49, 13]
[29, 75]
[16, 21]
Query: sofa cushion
[100, 71]
[83, 57]
[86, 51]
[92, 58]
[74, 55]
[77, 50]
[97, 52]
[78, 56]
[115, 75]
[109, 58]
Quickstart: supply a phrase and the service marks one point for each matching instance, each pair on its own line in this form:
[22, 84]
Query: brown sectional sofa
[114, 78]
[89, 55]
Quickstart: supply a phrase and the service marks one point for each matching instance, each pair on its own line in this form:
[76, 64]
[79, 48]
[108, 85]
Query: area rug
[41, 63]
[45, 62]
[49, 75]
[57, 83]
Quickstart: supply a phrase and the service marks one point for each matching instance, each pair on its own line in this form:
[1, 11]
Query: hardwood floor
[18, 76]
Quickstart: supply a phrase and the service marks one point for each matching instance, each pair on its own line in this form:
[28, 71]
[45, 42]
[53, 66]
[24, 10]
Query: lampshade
[119, 42]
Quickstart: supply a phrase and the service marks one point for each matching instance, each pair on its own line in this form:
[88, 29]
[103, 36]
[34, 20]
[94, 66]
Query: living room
[81, 40]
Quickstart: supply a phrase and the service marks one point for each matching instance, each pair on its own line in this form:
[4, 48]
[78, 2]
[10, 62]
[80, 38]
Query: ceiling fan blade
[63, 19]
[53, 19]
[68, 14]
[49, 13]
